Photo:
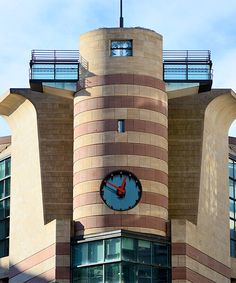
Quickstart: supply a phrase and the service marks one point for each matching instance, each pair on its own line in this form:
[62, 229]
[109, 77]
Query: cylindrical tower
[120, 125]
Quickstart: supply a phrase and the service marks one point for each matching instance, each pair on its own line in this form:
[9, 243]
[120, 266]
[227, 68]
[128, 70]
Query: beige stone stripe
[147, 186]
[121, 160]
[142, 209]
[99, 173]
[120, 102]
[120, 113]
[130, 79]
[202, 258]
[114, 136]
[123, 90]
[120, 149]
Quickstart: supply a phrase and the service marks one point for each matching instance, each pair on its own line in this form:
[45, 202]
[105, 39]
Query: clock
[121, 190]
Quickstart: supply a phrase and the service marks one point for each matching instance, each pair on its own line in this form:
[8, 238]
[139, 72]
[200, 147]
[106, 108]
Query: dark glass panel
[129, 273]
[7, 187]
[129, 249]
[112, 249]
[95, 251]
[144, 251]
[4, 247]
[232, 229]
[231, 188]
[232, 248]
[4, 228]
[160, 254]
[144, 274]
[7, 167]
[113, 273]
[7, 207]
[2, 210]
[95, 274]
[121, 126]
[231, 168]
[2, 169]
[231, 208]
[2, 193]
[80, 254]
[160, 275]
[80, 275]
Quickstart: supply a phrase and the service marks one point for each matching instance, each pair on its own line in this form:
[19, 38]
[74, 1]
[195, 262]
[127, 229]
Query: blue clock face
[121, 190]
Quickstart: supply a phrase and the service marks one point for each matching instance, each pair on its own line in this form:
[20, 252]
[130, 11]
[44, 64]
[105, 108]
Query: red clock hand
[123, 184]
[120, 189]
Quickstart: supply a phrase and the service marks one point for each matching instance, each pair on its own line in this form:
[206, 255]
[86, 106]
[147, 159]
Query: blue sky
[57, 24]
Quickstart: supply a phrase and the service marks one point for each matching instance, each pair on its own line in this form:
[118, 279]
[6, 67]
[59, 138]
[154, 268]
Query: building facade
[118, 162]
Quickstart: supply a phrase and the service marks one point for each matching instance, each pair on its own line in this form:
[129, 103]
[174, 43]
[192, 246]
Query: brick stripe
[184, 273]
[54, 249]
[141, 172]
[121, 149]
[130, 79]
[202, 258]
[130, 125]
[120, 102]
[94, 198]
[121, 220]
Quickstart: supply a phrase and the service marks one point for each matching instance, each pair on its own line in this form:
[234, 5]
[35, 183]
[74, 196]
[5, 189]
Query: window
[121, 126]
[121, 48]
[5, 168]
[121, 259]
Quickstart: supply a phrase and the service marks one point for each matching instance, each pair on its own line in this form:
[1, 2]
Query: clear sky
[57, 24]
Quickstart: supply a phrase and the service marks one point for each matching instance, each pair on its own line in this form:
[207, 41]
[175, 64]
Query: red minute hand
[123, 184]
[120, 189]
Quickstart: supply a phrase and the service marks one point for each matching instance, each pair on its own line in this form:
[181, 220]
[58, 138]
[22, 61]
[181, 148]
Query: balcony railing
[56, 65]
[187, 65]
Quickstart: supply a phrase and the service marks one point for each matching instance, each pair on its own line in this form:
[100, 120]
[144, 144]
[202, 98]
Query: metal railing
[187, 65]
[50, 65]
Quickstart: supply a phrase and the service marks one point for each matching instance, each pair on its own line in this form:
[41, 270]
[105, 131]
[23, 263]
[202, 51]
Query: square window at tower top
[121, 48]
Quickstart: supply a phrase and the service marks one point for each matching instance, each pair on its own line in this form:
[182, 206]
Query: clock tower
[120, 125]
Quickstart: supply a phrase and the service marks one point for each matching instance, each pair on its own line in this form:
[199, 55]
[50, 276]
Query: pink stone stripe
[130, 79]
[5, 140]
[94, 198]
[43, 277]
[132, 125]
[120, 220]
[202, 258]
[119, 148]
[105, 102]
[54, 249]
[141, 172]
[184, 273]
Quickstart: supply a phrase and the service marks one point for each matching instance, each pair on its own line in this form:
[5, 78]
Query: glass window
[121, 48]
[2, 169]
[134, 261]
[231, 188]
[144, 251]
[144, 274]
[7, 167]
[121, 126]
[80, 254]
[95, 252]
[128, 249]
[113, 273]
[112, 249]
[160, 254]
[231, 168]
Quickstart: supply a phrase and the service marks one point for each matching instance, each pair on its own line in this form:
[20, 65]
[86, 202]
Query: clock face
[121, 190]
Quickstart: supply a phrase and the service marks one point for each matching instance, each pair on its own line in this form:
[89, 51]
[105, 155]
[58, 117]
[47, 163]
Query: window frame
[121, 49]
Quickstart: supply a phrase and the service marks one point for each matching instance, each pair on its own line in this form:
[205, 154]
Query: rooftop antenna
[121, 16]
